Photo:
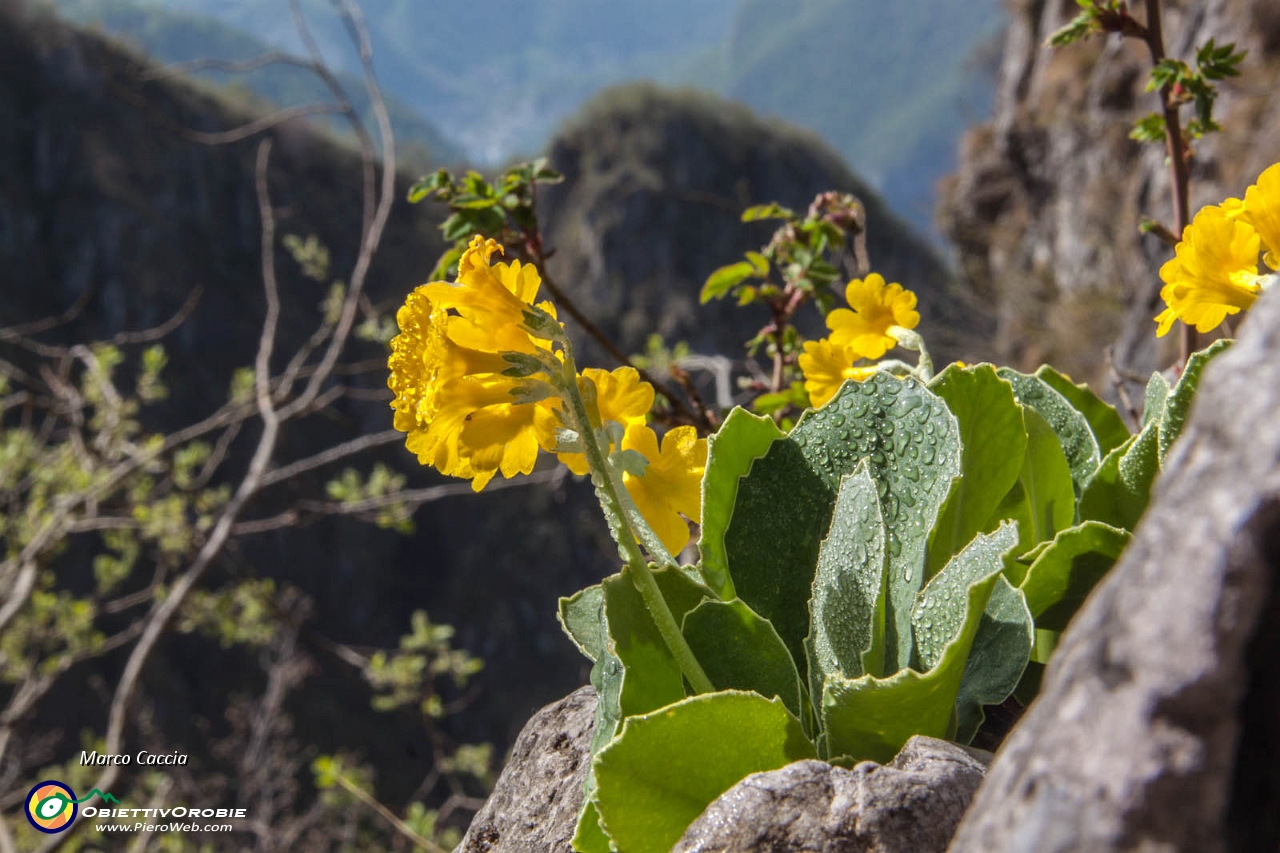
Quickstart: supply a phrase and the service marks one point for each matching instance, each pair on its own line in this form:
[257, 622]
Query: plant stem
[1178, 172]
[701, 419]
[608, 490]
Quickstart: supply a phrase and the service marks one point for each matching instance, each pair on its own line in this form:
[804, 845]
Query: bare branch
[238, 66]
[333, 454]
[405, 497]
[37, 326]
[163, 330]
[165, 611]
[373, 235]
[368, 174]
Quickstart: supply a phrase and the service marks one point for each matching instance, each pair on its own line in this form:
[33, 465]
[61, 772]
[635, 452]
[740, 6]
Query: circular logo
[51, 806]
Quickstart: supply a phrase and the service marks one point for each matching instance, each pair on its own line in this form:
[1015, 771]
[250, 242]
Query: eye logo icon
[51, 806]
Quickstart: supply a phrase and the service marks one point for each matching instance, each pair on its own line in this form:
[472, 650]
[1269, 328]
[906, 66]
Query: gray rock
[534, 806]
[911, 805]
[1158, 722]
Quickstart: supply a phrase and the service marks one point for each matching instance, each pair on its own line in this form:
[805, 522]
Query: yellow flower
[619, 396]
[491, 300]
[672, 482]
[876, 308]
[446, 372]
[1214, 272]
[479, 431]
[1262, 211]
[826, 366]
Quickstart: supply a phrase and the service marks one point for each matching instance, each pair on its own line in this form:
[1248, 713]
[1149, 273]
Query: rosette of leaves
[905, 556]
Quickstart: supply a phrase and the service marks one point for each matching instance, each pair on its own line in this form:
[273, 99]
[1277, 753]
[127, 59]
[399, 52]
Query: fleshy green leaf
[741, 439]
[580, 616]
[740, 650]
[784, 504]
[665, 768]
[590, 838]
[653, 677]
[1178, 404]
[1071, 427]
[607, 676]
[1153, 402]
[1065, 572]
[1108, 427]
[1000, 653]
[1046, 480]
[871, 718]
[1119, 492]
[940, 608]
[846, 634]
[994, 443]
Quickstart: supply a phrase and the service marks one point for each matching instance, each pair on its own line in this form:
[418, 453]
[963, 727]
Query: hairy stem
[608, 489]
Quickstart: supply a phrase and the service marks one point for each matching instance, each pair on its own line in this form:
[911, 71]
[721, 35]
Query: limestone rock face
[1158, 724]
[534, 807]
[911, 805]
[1045, 205]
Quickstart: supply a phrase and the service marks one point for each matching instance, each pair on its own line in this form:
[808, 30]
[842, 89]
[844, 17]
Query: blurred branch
[334, 454]
[405, 497]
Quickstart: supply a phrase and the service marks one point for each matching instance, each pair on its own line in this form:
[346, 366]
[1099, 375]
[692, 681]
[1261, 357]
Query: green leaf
[999, 656]
[1149, 128]
[448, 261]
[994, 443]
[607, 676]
[1154, 399]
[590, 837]
[940, 608]
[1058, 581]
[665, 768]
[785, 502]
[871, 718]
[1108, 427]
[847, 609]
[725, 279]
[767, 211]
[1119, 492]
[653, 677]
[1073, 431]
[741, 439]
[1080, 27]
[739, 650]
[1046, 480]
[581, 616]
[428, 184]
[1178, 403]
[760, 262]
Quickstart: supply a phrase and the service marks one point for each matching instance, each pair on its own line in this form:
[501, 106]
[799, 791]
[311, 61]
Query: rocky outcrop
[1158, 724]
[1045, 206]
[910, 805]
[655, 185]
[534, 806]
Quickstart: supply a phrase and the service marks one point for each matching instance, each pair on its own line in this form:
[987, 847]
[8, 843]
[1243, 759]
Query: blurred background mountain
[889, 86]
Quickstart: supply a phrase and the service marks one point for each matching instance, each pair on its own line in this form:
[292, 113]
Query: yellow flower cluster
[447, 371]
[860, 331]
[1214, 272]
[467, 414]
